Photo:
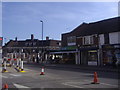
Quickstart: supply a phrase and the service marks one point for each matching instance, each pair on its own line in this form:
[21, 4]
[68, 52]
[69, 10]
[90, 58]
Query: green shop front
[69, 55]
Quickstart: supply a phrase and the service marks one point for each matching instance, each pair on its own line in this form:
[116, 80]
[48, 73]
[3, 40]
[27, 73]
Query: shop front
[111, 54]
[89, 56]
[68, 55]
[93, 57]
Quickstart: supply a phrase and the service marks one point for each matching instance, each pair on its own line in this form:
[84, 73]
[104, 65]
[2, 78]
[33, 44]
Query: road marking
[20, 86]
[105, 83]
[3, 76]
[28, 69]
[109, 84]
[72, 85]
[16, 75]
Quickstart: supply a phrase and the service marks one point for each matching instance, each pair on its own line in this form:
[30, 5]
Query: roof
[30, 43]
[100, 27]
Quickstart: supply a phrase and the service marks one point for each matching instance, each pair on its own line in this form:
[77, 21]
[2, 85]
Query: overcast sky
[21, 19]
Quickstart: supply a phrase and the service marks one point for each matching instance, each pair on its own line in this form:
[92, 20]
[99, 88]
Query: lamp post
[42, 29]
[42, 39]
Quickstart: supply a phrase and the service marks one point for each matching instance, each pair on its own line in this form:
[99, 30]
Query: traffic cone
[42, 71]
[95, 81]
[5, 87]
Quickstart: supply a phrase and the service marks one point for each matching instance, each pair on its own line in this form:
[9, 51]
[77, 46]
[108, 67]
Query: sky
[21, 19]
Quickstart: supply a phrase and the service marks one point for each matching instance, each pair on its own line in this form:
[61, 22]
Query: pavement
[82, 67]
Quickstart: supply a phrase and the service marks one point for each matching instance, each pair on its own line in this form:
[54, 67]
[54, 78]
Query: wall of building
[114, 37]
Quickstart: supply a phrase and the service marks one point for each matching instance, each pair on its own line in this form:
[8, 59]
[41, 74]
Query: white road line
[3, 76]
[72, 85]
[104, 83]
[28, 69]
[20, 86]
[109, 84]
[15, 75]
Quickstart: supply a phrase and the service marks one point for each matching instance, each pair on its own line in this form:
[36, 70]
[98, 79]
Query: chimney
[15, 38]
[32, 36]
[47, 38]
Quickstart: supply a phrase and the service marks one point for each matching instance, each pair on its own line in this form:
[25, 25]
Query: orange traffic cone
[5, 87]
[95, 81]
[42, 71]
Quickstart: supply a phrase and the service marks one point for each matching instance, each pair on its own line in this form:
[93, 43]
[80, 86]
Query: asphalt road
[56, 77]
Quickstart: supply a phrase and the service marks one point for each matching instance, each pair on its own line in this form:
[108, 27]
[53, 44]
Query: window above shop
[88, 40]
[71, 40]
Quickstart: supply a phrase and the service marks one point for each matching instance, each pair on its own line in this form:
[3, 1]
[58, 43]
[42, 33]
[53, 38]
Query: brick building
[30, 49]
[93, 43]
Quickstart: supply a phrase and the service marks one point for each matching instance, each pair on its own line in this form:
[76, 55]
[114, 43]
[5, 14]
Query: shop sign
[1, 41]
[69, 48]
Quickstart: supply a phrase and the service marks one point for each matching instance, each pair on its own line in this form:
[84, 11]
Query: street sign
[1, 40]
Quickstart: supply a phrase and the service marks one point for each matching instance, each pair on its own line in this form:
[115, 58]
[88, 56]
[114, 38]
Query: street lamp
[42, 39]
[42, 29]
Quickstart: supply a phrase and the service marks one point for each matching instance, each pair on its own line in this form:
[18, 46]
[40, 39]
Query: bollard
[17, 63]
[21, 65]
[22, 69]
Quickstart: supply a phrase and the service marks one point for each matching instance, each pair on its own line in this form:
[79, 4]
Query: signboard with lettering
[69, 48]
[1, 41]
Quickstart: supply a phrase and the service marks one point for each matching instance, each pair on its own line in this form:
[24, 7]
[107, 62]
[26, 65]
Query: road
[56, 77]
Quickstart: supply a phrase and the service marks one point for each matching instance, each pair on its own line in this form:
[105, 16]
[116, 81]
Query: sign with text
[1, 41]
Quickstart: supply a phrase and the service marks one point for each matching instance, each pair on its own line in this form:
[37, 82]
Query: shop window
[86, 40]
[92, 55]
[91, 40]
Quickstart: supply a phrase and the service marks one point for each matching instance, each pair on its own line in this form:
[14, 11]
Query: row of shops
[106, 55]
